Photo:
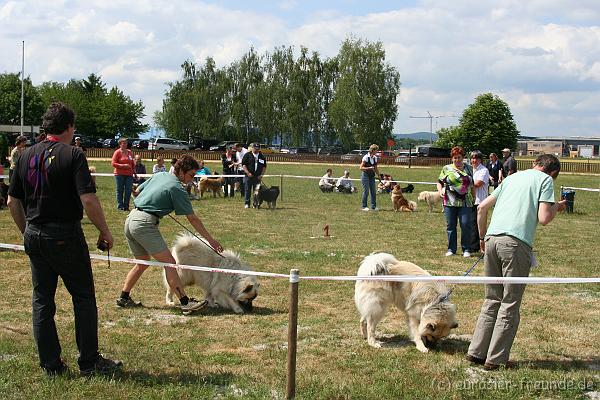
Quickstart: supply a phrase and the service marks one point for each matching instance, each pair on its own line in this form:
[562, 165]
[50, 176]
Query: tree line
[101, 113]
[297, 99]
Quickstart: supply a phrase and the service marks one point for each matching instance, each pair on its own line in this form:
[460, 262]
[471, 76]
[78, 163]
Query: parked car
[86, 141]
[354, 155]
[386, 154]
[202, 144]
[329, 150]
[140, 144]
[266, 149]
[403, 157]
[110, 143]
[167, 144]
[222, 146]
[301, 150]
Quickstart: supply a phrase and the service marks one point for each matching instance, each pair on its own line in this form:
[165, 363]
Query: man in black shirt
[255, 166]
[51, 187]
[509, 165]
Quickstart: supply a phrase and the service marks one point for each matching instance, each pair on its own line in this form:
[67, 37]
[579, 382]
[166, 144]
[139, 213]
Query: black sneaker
[102, 366]
[193, 305]
[62, 369]
[128, 302]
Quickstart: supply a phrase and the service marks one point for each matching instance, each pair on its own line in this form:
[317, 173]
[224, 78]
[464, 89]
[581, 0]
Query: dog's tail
[376, 264]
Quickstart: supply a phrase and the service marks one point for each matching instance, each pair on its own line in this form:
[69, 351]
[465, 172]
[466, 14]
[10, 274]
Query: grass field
[223, 355]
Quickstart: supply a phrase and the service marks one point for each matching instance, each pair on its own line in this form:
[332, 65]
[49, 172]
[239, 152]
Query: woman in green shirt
[455, 185]
[159, 196]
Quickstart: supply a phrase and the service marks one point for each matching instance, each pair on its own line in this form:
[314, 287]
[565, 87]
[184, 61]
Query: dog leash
[466, 273]
[197, 237]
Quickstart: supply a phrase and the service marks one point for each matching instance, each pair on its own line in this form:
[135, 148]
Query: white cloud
[541, 56]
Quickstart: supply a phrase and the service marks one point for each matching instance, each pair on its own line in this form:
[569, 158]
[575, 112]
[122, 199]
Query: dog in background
[213, 185]
[408, 189]
[264, 194]
[400, 203]
[431, 198]
[230, 291]
[429, 313]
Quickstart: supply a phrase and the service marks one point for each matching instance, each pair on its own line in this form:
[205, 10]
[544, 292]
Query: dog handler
[50, 188]
[368, 166]
[157, 197]
[522, 200]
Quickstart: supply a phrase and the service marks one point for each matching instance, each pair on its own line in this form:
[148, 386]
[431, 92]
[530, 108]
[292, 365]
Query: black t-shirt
[255, 166]
[48, 179]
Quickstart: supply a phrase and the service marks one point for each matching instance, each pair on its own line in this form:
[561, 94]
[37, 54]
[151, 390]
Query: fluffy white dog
[231, 291]
[429, 314]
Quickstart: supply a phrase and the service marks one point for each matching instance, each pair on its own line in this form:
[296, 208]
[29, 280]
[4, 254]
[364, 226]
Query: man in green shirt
[521, 201]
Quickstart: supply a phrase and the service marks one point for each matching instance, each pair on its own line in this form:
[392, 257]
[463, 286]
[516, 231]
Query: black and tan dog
[262, 193]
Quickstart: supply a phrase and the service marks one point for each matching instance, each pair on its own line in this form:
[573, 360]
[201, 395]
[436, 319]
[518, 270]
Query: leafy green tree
[364, 107]
[100, 112]
[10, 101]
[486, 125]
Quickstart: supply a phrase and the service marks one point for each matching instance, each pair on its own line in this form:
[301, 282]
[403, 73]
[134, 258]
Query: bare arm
[482, 216]
[547, 211]
[199, 226]
[439, 188]
[17, 212]
[478, 184]
[93, 209]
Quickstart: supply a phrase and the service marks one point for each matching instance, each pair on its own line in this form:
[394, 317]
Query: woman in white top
[159, 166]
[481, 183]
[369, 169]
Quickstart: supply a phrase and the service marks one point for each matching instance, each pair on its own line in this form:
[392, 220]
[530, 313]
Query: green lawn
[223, 355]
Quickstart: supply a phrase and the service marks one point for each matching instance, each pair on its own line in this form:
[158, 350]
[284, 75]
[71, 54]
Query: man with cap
[255, 166]
[79, 144]
[509, 165]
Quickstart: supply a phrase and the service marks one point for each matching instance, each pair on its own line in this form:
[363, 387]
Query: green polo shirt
[162, 194]
[517, 202]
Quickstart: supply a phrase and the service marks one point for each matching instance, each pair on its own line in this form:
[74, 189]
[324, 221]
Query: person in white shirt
[240, 182]
[326, 184]
[159, 166]
[481, 180]
[344, 184]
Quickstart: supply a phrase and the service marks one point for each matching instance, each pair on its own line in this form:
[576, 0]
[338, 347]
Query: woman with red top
[124, 164]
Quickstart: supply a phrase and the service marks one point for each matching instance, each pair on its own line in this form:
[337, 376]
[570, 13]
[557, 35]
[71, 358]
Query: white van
[167, 144]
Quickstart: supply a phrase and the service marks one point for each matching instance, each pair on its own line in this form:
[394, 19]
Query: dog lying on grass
[431, 198]
[230, 291]
[400, 203]
[429, 313]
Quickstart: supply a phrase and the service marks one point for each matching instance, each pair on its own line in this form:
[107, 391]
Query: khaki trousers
[499, 318]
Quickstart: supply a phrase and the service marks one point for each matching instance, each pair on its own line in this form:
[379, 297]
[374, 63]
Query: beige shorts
[143, 236]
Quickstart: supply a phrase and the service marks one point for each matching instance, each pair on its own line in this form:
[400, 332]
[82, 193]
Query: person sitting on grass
[327, 183]
[344, 184]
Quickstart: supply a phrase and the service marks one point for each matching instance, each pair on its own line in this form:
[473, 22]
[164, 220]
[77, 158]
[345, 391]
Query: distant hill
[417, 136]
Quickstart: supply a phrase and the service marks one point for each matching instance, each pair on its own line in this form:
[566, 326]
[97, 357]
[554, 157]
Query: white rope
[387, 278]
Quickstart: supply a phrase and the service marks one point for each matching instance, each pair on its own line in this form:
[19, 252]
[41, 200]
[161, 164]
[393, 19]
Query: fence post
[292, 335]
[281, 187]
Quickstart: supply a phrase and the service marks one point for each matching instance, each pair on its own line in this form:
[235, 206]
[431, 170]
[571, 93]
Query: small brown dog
[400, 203]
[211, 184]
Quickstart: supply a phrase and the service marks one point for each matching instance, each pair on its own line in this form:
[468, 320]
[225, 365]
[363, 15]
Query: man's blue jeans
[368, 186]
[453, 215]
[124, 185]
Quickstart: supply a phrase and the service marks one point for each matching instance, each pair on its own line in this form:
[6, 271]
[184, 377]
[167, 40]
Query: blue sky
[541, 56]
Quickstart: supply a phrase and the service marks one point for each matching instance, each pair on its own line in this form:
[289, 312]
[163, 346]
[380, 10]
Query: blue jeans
[59, 249]
[124, 185]
[250, 186]
[454, 214]
[368, 186]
